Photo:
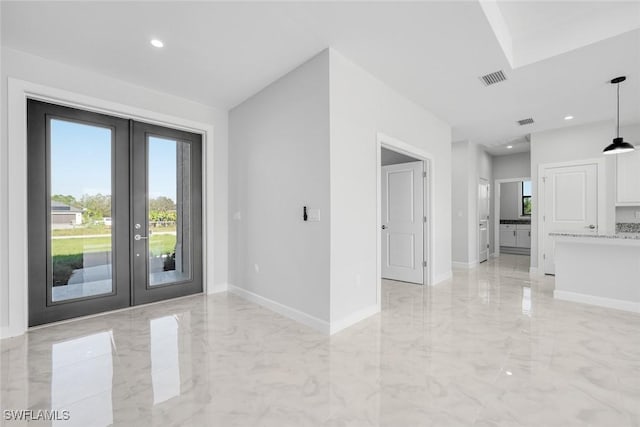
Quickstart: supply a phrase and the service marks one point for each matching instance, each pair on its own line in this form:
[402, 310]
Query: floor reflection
[81, 379]
[165, 364]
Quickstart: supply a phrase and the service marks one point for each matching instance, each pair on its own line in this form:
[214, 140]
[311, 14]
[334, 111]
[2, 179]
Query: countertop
[515, 221]
[622, 236]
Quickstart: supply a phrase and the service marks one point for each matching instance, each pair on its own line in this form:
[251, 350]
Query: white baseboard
[297, 315]
[220, 287]
[354, 318]
[599, 301]
[442, 277]
[466, 265]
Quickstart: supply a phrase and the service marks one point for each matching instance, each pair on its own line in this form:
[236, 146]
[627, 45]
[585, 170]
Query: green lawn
[97, 229]
[67, 254]
[159, 244]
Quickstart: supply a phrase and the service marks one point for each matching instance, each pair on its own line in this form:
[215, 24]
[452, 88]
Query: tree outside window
[526, 198]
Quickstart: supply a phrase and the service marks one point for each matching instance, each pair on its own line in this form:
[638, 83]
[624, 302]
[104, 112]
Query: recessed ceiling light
[509, 373]
[509, 147]
[568, 118]
[157, 43]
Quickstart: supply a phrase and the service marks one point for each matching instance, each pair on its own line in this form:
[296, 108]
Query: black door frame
[127, 290]
[142, 293]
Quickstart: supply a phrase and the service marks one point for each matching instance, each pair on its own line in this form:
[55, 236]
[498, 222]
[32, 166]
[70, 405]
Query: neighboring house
[63, 215]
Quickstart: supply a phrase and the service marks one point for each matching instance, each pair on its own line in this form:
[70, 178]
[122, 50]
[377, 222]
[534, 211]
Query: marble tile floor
[490, 347]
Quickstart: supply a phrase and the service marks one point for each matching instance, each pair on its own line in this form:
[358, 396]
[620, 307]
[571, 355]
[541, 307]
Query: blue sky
[81, 161]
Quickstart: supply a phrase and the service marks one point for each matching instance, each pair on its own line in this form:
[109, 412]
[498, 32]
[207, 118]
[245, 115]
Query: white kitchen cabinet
[507, 235]
[523, 238]
[515, 235]
[628, 178]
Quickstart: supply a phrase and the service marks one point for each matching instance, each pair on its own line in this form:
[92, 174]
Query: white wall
[569, 144]
[470, 162]
[460, 202]
[516, 165]
[34, 69]
[509, 200]
[279, 162]
[362, 106]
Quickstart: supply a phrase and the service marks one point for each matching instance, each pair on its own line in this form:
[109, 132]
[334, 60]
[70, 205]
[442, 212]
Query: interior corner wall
[470, 163]
[569, 144]
[34, 69]
[362, 106]
[460, 202]
[279, 162]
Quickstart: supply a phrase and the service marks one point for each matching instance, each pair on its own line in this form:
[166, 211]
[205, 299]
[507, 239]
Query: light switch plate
[313, 215]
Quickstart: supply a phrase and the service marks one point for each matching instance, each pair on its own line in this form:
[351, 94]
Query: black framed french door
[114, 212]
[166, 205]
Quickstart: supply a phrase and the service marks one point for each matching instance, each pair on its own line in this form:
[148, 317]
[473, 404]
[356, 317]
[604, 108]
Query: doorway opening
[404, 216]
[114, 212]
[513, 205]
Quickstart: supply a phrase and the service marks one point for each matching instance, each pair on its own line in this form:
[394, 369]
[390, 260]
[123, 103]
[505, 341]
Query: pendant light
[618, 145]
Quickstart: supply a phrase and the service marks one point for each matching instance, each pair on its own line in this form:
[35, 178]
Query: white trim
[353, 318]
[465, 265]
[297, 315]
[16, 263]
[386, 141]
[216, 289]
[540, 200]
[496, 209]
[442, 278]
[599, 301]
[533, 270]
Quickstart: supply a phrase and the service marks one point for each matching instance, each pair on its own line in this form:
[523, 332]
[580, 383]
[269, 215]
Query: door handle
[591, 227]
[139, 237]
[384, 227]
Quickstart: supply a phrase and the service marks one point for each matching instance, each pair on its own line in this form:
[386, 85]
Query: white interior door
[402, 222]
[483, 220]
[570, 205]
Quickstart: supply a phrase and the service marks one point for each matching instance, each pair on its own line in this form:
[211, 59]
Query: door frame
[386, 141]
[541, 196]
[480, 182]
[496, 210]
[16, 263]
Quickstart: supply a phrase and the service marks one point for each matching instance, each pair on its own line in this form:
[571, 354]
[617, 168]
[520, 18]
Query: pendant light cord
[618, 117]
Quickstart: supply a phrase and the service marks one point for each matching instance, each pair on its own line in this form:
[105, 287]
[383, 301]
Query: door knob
[384, 227]
[139, 237]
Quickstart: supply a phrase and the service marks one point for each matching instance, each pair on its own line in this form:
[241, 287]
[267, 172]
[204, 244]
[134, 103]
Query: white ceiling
[432, 52]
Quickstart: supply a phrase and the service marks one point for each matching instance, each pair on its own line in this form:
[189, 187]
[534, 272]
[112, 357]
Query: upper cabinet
[628, 179]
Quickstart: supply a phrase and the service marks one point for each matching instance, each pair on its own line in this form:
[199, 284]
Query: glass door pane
[169, 173]
[80, 213]
[167, 206]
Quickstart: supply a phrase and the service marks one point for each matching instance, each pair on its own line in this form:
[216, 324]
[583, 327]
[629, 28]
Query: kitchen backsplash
[628, 227]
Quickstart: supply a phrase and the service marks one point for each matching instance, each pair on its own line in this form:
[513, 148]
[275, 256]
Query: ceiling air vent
[493, 78]
[523, 122]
